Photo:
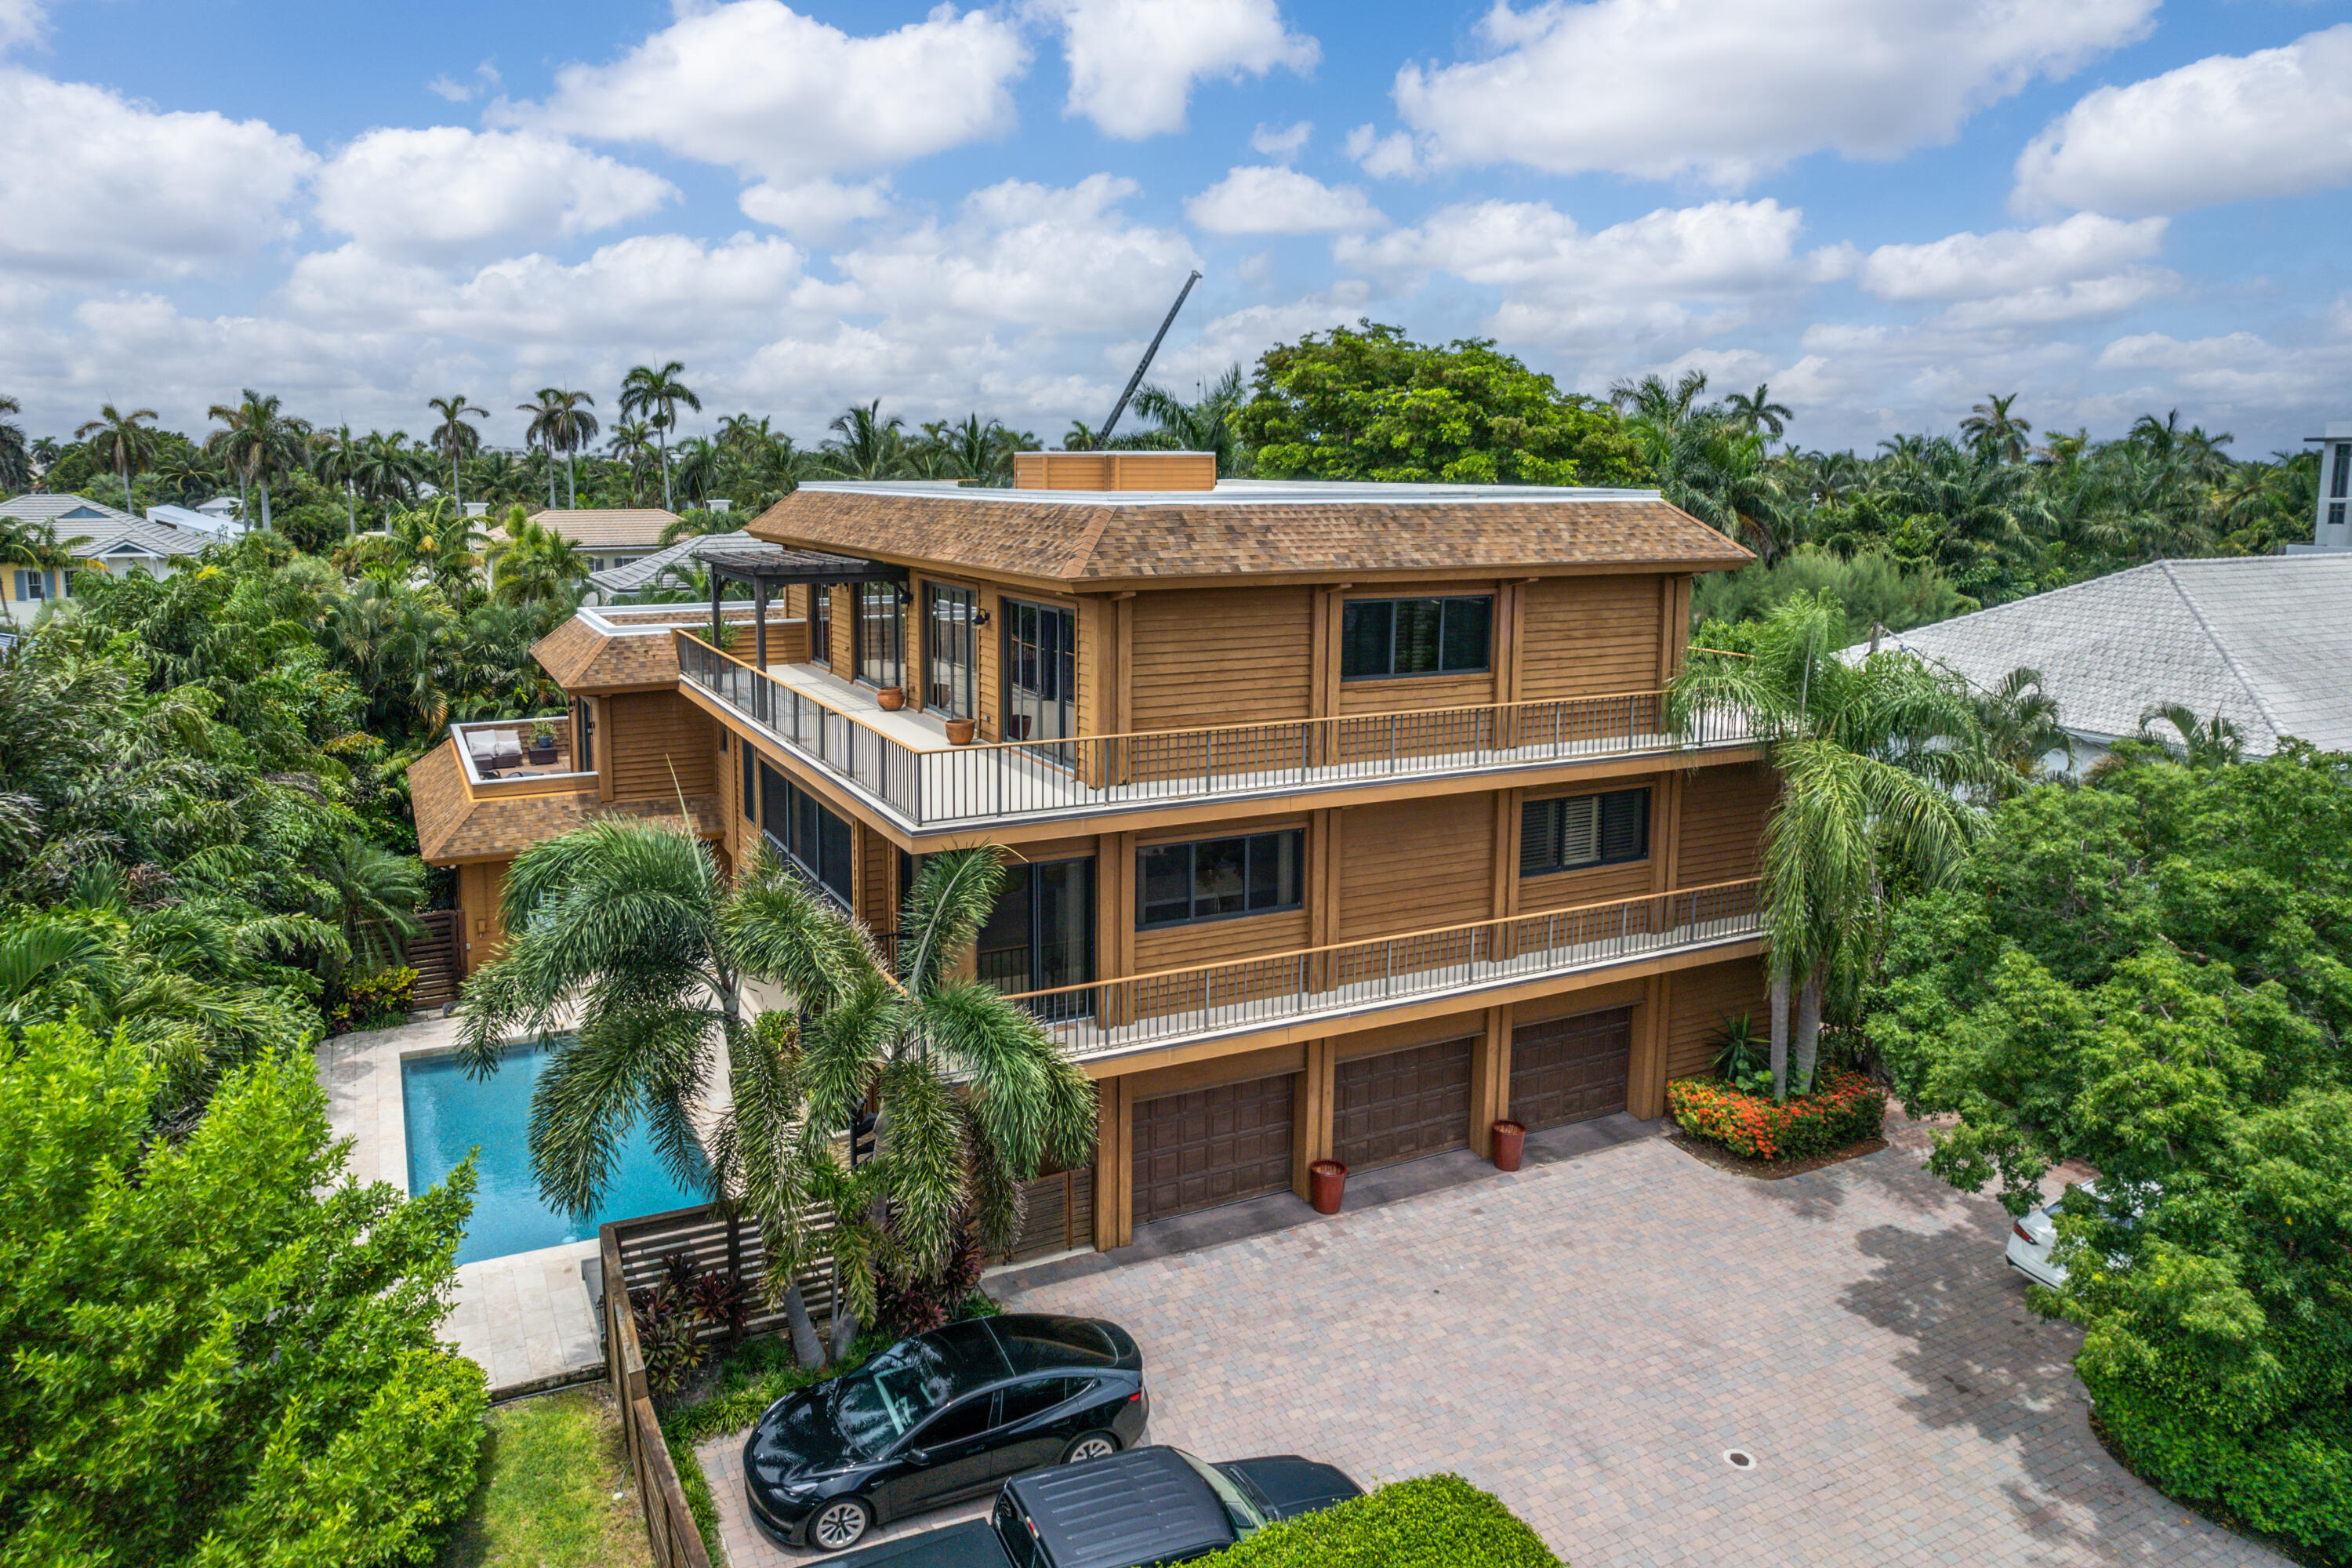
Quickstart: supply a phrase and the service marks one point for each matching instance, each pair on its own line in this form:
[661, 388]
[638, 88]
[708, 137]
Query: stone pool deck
[525, 1319]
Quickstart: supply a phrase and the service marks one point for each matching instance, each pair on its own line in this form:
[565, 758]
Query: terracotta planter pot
[960, 731]
[1327, 1180]
[1510, 1144]
[890, 698]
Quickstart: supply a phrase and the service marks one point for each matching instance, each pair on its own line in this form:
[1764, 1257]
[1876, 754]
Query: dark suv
[940, 1418]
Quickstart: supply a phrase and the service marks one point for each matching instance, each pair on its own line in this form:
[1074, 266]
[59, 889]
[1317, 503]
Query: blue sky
[1884, 208]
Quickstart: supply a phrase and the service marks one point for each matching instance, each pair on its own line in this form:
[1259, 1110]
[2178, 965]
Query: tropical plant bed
[1434, 1521]
[1845, 1111]
[555, 1491]
[1723, 1159]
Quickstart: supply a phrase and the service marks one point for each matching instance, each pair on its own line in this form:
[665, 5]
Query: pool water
[450, 1115]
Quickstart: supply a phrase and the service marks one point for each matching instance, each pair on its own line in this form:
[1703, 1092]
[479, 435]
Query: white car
[2031, 1238]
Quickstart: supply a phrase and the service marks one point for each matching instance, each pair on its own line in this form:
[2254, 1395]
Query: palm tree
[658, 393]
[337, 463]
[1873, 757]
[368, 891]
[2019, 721]
[865, 446]
[632, 442]
[383, 468]
[2214, 743]
[1993, 433]
[1208, 425]
[454, 438]
[15, 461]
[560, 422]
[36, 545]
[1757, 411]
[123, 443]
[258, 441]
[536, 565]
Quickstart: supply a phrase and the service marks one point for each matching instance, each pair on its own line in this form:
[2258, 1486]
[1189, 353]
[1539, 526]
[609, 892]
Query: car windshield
[1246, 1519]
[896, 1391]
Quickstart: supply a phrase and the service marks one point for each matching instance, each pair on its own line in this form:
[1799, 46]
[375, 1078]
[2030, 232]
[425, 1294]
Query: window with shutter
[1584, 830]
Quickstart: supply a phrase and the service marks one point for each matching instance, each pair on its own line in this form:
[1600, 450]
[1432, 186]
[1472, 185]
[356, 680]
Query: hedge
[1436, 1521]
[1846, 1109]
[2292, 1479]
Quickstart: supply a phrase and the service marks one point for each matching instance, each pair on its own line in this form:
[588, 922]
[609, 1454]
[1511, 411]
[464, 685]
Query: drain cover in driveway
[1740, 1458]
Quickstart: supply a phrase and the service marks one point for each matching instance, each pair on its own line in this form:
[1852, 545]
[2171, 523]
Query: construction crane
[1102, 437]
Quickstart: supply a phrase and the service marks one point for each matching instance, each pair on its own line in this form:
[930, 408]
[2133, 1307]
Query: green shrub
[1436, 1521]
[2293, 1478]
[373, 1002]
[1846, 1109]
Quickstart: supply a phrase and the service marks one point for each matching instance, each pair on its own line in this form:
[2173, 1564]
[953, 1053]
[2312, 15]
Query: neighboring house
[2261, 641]
[189, 520]
[224, 511]
[609, 537]
[114, 540]
[672, 568]
[1342, 818]
[2331, 524]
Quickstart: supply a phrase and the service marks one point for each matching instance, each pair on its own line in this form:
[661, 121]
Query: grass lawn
[554, 1492]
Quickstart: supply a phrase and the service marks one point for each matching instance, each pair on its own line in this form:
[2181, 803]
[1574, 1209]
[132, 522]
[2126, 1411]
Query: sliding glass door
[1041, 652]
[950, 651]
[881, 635]
[1042, 934]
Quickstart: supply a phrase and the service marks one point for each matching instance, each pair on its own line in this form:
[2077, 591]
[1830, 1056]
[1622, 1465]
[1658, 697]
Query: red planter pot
[890, 698]
[1326, 1181]
[1510, 1144]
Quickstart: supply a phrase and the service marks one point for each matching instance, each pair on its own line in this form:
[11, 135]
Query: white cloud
[1238, 337]
[1727, 90]
[94, 186]
[815, 209]
[2228, 128]
[442, 189]
[486, 79]
[1673, 275]
[1258, 199]
[21, 21]
[1133, 62]
[1066, 261]
[1283, 142]
[2053, 303]
[1978, 266]
[758, 86]
[2235, 370]
[1388, 157]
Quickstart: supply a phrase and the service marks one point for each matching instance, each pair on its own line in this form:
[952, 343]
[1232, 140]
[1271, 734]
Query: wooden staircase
[434, 954]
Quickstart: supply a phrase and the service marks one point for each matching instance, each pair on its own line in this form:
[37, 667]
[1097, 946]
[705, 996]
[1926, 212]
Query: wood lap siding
[1565, 889]
[1699, 1001]
[652, 733]
[1214, 941]
[1585, 637]
[1723, 824]
[1414, 864]
[1229, 655]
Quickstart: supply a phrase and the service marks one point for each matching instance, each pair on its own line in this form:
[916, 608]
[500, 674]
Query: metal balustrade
[958, 785]
[1242, 996]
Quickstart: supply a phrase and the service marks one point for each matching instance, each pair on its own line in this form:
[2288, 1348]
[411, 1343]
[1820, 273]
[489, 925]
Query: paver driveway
[1586, 1338]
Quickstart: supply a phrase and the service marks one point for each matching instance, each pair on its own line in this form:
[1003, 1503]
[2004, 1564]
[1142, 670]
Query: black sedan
[940, 1418]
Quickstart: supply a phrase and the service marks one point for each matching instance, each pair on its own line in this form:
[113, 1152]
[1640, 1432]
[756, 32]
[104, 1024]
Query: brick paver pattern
[1587, 1339]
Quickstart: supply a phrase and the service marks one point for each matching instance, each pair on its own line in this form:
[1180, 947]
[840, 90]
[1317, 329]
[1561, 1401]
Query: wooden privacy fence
[669, 1523]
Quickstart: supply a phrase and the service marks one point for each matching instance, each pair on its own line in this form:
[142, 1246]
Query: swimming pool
[449, 1115]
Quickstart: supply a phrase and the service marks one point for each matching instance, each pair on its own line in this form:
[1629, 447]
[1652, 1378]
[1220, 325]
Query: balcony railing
[968, 784]
[503, 751]
[1245, 995]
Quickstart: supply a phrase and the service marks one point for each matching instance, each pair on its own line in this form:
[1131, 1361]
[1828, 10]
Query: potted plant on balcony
[890, 698]
[542, 746]
[960, 732]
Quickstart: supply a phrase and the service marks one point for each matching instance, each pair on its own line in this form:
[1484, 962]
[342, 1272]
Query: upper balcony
[902, 765]
[492, 790]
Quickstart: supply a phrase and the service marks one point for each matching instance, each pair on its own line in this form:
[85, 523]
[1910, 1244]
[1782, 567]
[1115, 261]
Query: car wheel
[840, 1524]
[1091, 1445]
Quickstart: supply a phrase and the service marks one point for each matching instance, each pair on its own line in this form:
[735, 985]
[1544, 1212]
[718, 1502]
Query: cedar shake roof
[452, 826]
[1245, 528]
[603, 649]
[608, 528]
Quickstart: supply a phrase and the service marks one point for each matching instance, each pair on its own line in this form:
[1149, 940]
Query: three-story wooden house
[1343, 819]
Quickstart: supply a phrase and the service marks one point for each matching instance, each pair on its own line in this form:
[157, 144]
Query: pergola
[770, 566]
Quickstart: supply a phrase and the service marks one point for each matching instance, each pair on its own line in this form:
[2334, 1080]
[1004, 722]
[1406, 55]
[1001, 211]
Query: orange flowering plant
[1845, 1108]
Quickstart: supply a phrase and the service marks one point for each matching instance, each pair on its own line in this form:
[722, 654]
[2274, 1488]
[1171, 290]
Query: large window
[1041, 652]
[881, 635]
[1584, 830]
[584, 731]
[1414, 637]
[1041, 935]
[821, 626]
[950, 651]
[2340, 482]
[1215, 878]
[804, 833]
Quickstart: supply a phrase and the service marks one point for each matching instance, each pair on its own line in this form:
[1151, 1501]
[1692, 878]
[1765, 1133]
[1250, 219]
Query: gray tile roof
[108, 529]
[79, 511]
[2265, 641]
[645, 571]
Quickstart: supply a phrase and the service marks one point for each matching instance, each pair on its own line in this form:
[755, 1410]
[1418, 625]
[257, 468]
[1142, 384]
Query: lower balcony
[1294, 992]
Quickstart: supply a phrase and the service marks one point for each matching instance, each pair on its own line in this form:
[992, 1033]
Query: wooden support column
[1310, 1114]
[1666, 832]
[760, 623]
[1645, 1086]
[1114, 1167]
[1490, 1079]
[604, 752]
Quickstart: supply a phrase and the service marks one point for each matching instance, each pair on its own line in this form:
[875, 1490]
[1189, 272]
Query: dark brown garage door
[1569, 1068]
[1400, 1105]
[1211, 1146]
